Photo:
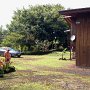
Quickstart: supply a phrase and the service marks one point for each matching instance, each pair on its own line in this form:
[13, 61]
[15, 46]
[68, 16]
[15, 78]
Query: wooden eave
[68, 19]
[75, 12]
[72, 14]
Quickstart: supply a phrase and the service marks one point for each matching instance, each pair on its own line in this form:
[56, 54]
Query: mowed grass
[39, 72]
[50, 60]
[31, 86]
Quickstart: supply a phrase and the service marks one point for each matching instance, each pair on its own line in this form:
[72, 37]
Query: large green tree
[37, 23]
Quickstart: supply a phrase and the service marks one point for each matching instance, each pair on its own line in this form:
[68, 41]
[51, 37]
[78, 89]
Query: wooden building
[79, 20]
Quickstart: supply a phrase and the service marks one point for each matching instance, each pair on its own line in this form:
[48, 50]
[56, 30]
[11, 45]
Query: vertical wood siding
[83, 42]
[88, 42]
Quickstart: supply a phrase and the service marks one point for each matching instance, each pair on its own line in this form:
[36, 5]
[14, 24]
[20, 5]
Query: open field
[45, 72]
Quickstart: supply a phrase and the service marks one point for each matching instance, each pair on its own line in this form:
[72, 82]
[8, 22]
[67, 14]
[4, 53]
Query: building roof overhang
[71, 14]
[75, 12]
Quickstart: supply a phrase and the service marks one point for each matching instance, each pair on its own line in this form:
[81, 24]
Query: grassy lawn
[50, 60]
[45, 72]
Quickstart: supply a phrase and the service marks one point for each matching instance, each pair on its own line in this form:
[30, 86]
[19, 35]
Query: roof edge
[72, 11]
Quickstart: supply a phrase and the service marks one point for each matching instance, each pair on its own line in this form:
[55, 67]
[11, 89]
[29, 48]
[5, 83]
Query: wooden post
[70, 43]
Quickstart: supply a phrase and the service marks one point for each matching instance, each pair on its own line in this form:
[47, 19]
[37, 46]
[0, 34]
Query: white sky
[8, 6]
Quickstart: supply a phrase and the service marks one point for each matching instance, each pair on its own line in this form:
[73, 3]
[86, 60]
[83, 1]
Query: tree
[37, 23]
[12, 40]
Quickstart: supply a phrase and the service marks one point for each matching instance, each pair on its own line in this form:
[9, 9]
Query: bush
[10, 69]
[1, 72]
[36, 52]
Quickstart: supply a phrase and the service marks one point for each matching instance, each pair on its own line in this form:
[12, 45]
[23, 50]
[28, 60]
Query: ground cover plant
[46, 72]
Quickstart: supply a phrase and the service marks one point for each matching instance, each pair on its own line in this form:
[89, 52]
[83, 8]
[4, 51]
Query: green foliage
[3, 33]
[64, 50]
[12, 40]
[1, 72]
[36, 23]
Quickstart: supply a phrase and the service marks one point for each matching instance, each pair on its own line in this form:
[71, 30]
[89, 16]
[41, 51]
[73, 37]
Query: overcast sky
[8, 6]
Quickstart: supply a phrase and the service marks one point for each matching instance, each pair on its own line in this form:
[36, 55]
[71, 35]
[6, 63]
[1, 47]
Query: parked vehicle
[14, 53]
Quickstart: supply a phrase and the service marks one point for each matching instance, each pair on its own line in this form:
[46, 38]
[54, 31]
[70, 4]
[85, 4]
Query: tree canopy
[37, 23]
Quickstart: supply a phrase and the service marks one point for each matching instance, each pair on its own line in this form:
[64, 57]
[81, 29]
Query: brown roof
[75, 12]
